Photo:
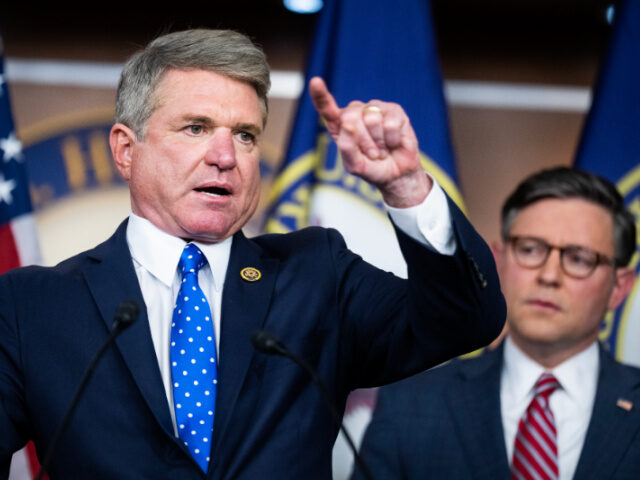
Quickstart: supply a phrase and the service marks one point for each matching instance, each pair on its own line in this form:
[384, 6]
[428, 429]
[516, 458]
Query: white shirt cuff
[428, 223]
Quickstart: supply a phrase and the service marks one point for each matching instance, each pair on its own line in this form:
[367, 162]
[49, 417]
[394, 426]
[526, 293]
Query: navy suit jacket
[358, 326]
[446, 424]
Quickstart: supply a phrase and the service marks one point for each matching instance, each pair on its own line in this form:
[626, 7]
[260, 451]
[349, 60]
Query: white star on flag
[5, 189]
[12, 148]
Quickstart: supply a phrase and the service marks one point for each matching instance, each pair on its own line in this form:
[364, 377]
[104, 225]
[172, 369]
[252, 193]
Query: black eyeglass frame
[600, 258]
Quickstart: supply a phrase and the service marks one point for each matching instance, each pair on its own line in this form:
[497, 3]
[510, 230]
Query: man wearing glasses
[549, 403]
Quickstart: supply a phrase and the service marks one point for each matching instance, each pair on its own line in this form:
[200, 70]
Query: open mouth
[213, 191]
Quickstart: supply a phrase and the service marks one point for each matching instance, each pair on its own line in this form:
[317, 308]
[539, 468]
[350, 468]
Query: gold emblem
[250, 274]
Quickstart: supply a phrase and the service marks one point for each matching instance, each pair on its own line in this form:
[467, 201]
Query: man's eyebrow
[249, 127]
[199, 119]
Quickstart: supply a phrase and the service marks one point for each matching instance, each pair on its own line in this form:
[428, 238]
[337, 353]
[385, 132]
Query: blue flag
[610, 147]
[364, 50]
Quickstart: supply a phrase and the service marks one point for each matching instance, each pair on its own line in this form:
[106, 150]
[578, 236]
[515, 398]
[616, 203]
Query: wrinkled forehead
[156, 94]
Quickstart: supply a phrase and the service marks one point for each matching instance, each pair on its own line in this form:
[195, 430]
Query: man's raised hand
[377, 143]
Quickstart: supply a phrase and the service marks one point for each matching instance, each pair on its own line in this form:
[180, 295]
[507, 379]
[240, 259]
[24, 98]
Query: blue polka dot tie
[193, 359]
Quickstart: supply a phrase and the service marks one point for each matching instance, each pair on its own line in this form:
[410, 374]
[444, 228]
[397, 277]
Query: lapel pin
[250, 274]
[624, 404]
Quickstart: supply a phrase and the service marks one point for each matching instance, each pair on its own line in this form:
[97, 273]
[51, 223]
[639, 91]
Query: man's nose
[550, 272]
[221, 151]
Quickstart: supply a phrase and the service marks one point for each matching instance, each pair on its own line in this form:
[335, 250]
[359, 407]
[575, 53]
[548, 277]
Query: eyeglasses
[576, 261]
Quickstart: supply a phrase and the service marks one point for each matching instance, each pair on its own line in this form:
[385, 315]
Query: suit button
[476, 269]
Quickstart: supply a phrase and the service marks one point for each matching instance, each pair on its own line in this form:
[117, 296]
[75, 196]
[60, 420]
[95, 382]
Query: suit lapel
[482, 436]
[112, 279]
[244, 310]
[612, 428]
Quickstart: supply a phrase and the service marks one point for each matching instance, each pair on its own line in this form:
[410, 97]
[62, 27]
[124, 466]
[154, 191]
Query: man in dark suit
[549, 402]
[183, 394]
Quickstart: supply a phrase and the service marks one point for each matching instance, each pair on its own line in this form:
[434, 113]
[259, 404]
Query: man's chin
[208, 236]
[209, 231]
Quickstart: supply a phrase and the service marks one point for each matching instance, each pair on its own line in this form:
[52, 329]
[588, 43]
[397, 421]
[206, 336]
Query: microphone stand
[125, 315]
[268, 343]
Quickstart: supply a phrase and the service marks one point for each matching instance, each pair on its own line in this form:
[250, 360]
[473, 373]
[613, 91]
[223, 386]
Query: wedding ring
[372, 108]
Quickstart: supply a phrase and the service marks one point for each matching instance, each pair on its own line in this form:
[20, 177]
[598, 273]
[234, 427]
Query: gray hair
[563, 182]
[225, 52]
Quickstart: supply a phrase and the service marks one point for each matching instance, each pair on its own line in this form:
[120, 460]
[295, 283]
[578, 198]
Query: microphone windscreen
[266, 342]
[126, 313]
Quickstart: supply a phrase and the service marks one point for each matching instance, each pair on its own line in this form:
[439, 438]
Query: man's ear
[122, 140]
[625, 278]
[497, 248]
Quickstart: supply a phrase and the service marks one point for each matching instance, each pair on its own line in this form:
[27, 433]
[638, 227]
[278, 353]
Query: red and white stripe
[19, 243]
[535, 456]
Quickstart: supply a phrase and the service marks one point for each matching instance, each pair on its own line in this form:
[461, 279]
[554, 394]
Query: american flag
[18, 237]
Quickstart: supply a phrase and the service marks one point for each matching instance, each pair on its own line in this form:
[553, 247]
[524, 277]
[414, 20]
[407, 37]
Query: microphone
[125, 315]
[269, 344]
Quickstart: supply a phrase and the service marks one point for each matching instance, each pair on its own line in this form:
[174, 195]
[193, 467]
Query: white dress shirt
[571, 404]
[156, 254]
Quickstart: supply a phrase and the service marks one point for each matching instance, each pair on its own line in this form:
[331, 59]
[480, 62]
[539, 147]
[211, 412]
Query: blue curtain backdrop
[610, 146]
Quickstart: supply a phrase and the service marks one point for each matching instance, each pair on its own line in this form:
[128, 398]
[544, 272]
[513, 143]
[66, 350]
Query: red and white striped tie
[535, 456]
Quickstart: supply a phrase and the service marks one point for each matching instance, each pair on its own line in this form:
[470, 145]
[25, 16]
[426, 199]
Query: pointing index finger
[324, 103]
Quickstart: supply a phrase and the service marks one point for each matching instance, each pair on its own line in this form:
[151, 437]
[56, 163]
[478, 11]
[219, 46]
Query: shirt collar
[575, 375]
[579, 374]
[159, 253]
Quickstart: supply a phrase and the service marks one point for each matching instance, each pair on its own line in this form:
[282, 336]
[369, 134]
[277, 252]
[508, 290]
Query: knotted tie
[193, 359]
[535, 455]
